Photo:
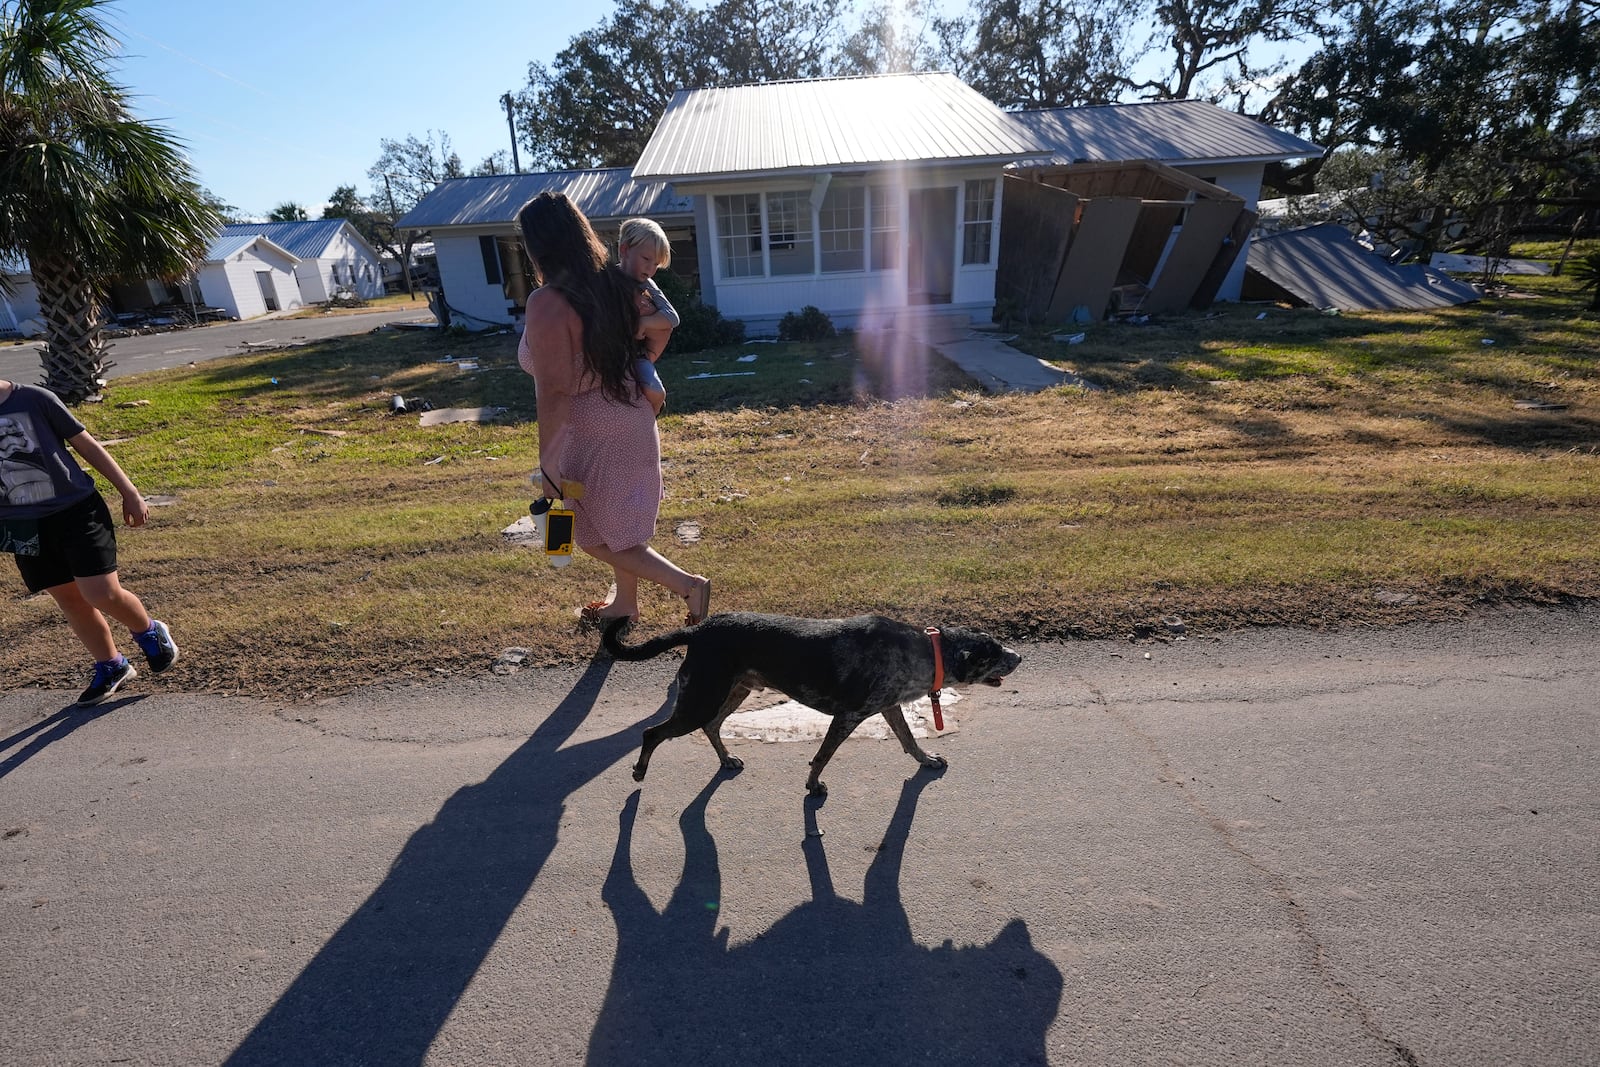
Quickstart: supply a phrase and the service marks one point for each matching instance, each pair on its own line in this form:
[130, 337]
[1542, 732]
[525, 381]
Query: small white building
[864, 197]
[478, 251]
[331, 255]
[246, 275]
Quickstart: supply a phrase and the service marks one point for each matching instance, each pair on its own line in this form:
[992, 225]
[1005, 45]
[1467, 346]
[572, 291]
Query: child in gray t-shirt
[57, 525]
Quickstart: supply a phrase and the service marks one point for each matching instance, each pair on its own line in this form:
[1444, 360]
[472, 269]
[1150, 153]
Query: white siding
[315, 279]
[849, 297]
[474, 301]
[359, 269]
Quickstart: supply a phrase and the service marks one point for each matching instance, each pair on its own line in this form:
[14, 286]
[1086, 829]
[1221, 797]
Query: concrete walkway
[985, 355]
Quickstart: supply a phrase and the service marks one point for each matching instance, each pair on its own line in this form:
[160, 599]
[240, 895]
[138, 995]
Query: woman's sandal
[699, 600]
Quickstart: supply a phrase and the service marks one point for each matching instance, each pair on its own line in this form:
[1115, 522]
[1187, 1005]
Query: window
[739, 235]
[491, 260]
[789, 228]
[336, 274]
[885, 229]
[977, 227]
[841, 229]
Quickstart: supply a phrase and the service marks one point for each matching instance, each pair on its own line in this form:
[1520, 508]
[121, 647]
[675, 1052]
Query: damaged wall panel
[1105, 229]
[1030, 259]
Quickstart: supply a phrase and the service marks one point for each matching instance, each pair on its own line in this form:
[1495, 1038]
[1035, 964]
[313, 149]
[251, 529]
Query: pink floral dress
[611, 449]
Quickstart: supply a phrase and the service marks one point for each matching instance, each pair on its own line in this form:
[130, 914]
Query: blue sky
[288, 100]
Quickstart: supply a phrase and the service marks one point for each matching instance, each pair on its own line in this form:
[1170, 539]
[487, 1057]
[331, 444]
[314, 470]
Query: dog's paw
[935, 760]
[638, 774]
[732, 763]
[817, 789]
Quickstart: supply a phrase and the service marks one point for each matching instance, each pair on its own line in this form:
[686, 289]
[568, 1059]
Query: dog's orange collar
[938, 677]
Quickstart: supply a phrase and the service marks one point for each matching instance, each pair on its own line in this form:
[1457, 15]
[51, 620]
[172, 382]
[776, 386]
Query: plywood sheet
[1094, 257]
[1197, 247]
[1036, 232]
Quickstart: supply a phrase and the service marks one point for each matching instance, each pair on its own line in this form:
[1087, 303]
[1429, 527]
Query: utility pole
[511, 124]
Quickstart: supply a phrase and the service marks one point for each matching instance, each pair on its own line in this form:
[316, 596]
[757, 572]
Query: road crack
[1278, 883]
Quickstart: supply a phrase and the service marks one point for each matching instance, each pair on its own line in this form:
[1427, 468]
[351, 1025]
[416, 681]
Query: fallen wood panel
[1094, 257]
[1038, 226]
[1197, 246]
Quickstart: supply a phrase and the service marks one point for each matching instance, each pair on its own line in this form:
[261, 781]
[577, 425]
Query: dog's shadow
[831, 982]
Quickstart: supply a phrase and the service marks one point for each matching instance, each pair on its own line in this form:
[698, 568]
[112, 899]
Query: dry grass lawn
[1229, 471]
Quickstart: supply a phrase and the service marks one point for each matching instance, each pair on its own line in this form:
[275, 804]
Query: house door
[931, 247]
[268, 293]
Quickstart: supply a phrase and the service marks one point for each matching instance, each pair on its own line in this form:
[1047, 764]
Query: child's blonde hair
[645, 233]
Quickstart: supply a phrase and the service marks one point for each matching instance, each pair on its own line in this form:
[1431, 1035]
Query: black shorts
[79, 541]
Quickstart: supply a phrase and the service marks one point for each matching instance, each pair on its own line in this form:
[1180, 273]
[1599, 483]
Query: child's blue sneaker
[158, 646]
[108, 677]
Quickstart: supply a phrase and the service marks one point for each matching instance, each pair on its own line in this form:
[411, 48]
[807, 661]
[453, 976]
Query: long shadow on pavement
[381, 988]
[53, 729]
[831, 982]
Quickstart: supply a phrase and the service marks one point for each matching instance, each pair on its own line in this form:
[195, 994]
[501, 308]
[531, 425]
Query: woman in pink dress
[598, 446]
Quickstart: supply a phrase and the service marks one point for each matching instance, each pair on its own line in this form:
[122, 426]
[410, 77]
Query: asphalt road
[1274, 847]
[158, 351]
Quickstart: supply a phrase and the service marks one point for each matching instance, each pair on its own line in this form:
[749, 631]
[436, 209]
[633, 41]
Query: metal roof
[1168, 131]
[826, 123]
[226, 244]
[1326, 267]
[605, 193]
[304, 240]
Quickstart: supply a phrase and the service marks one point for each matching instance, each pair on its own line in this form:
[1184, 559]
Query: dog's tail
[611, 641]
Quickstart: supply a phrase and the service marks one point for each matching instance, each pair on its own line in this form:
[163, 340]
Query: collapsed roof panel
[1324, 266]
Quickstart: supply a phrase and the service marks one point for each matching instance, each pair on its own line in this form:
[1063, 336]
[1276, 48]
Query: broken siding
[467, 285]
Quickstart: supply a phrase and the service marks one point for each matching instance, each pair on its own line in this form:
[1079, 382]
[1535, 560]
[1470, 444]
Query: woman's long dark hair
[567, 256]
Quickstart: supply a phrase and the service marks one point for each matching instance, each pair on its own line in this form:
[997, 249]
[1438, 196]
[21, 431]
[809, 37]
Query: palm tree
[88, 193]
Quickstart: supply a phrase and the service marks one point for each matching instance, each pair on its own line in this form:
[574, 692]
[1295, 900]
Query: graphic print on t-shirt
[24, 474]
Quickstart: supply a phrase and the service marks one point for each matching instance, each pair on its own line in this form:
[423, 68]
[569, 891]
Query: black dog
[850, 669]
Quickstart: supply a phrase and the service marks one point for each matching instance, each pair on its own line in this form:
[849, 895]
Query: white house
[865, 197]
[1199, 138]
[247, 275]
[479, 251]
[331, 255]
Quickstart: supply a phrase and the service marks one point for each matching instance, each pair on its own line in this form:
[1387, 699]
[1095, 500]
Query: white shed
[248, 275]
